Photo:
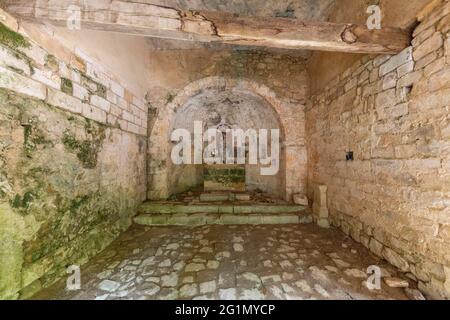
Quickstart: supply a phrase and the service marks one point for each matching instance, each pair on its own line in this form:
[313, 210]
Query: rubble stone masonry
[281, 79]
[72, 160]
[393, 112]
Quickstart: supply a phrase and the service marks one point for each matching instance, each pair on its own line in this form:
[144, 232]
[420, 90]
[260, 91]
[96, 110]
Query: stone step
[222, 197]
[172, 208]
[215, 197]
[199, 219]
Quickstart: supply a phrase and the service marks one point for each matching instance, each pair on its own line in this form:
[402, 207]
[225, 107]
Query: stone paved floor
[229, 262]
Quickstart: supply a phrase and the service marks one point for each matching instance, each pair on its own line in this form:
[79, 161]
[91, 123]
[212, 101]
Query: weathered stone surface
[83, 163]
[275, 272]
[214, 197]
[396, 61]
[414, 294]
[376, 247]
[17, 83]
[320, 206]
[45, 139]
[396, 282]
[301, 200]
[108, 285]
[429, 45]
[375, 121]
[264, 80]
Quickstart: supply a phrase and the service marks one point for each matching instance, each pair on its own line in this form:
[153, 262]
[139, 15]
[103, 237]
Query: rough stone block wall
[393, 113]
[72, 160]
[181, 74]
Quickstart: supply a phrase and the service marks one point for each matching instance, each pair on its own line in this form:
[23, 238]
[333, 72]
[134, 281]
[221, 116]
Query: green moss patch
[170, 97]
[225, 176]
[22, 202]
[93, 86]
[12, 39]
[33, 138]
[66, 86]
[86, 150]
[51, 62]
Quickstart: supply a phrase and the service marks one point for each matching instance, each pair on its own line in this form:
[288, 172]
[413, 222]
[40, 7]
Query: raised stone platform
[224, 196]
[157, 214]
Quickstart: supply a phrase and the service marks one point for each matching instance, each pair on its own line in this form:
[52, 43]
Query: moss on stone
[12, 39]
[170, 97]
[69, 141]
[22, 202]
[48, 190]
[51, 62]
[93, 86]
[225, 176]
[15, 41]
[87, 153]
[12, 232]
[101, 90]
[33, 137]
[66, 86]
[86, 150]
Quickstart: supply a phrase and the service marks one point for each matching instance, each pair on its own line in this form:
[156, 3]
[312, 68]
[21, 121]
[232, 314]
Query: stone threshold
[160, 214]
[151, 207]
[200, 219]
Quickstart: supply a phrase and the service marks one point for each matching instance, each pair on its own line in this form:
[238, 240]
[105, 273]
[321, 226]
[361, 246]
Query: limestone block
[439, 80]
[117, 89]
[139, 103]
[447, 281]
[395, 259]
[8, 20]
[376, 247]
[242, 197]
[112, 97]
[405, 69]
[429, 58]
[127, 116]
[234, 219]
[300, 199]
[255, 219]
[133, 128]
[390, 80]
[214, 197]
[434, 67]
[18, 83]
[93, 113]
[320, 206]
[430, 45]
[64, 101]
[101, 103]
[9, 58]
[178, 219]
[47, 77]
[386, 99]
[80, 92]
[396, 61]
[409, 79]
[323, 223]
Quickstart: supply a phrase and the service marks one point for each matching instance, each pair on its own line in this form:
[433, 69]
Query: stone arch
[292, 123]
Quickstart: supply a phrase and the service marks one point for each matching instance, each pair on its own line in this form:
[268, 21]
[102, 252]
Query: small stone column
[320, 206]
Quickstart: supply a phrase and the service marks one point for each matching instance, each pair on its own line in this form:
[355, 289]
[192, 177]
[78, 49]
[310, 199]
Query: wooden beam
[163, 22]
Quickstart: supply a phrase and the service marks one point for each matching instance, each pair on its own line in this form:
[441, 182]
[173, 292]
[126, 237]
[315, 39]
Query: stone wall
[277, 77]
[393, 113]
[325, 66]
[72, 159]
[243, 111]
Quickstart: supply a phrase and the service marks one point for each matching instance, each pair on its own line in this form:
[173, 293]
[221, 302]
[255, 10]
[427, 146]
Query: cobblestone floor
[230, 262]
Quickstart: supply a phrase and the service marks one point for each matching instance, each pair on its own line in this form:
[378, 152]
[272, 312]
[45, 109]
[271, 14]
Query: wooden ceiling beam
[170, 23]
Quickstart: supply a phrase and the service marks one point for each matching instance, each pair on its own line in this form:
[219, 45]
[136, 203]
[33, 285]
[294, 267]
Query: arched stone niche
[239, 102]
